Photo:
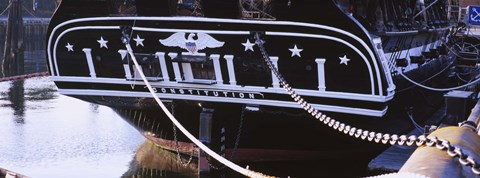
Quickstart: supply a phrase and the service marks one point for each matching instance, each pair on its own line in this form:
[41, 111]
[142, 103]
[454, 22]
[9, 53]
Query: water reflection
[33, 55]
[59, 136]
[16, 97]
[152, 161]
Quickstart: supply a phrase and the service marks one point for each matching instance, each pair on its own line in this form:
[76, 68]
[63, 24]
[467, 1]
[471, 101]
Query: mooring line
[25, 76]
[231, 165]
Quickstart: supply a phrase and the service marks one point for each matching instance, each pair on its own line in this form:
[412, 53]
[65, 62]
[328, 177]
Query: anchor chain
[237, 141]
[371, 136]
[177, 149]
[239, 133]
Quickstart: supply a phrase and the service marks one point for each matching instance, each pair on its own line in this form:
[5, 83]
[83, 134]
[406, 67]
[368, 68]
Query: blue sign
[474, 15]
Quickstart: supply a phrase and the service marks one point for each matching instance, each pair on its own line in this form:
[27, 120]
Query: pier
[33, 26]
[15, 28]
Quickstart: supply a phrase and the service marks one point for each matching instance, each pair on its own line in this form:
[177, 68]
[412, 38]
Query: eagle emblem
[190, 44]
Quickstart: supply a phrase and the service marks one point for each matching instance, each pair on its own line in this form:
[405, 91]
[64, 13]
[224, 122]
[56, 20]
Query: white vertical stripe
[163, 65]
[275, 82]
[187, 71]
[321, 73]
[231, 69]
[176, 68]
[217, 67]
[126, 67]
[91, 67]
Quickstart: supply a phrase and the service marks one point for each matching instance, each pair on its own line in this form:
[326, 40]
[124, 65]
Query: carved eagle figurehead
[190, 44]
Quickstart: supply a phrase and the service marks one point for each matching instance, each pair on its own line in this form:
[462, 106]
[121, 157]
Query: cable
[439, 89]
[8, 7]
[459, 77]
[417, 126]
[28, 11]
[433, 76]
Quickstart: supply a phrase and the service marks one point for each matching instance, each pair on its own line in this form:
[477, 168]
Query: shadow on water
[34, 60]
[17, 95]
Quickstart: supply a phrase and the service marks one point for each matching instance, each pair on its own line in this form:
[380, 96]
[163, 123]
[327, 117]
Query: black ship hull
[274, 133]
[211, 65]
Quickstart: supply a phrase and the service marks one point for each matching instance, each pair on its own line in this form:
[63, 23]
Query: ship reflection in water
[152, 161]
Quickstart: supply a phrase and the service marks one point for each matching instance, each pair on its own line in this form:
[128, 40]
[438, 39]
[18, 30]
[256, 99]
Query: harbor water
[45, 134]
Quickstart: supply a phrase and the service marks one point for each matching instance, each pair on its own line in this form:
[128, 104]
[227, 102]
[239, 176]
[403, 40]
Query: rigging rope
[433, 76]
[192, 138]
[28, 11]
[8, 7]
[417, 126]
[439, 89]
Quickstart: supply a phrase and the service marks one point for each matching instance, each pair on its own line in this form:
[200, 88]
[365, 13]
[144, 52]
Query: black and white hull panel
[217, 60]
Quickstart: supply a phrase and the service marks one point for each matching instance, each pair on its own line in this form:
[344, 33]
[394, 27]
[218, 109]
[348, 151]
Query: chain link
[237, 141]
[239, 133]
[197, 9]
[394, 139]
[177, 149]
[235, 147]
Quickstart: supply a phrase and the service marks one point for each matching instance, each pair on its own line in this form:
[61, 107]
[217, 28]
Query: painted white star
[69, 47]
[295, 51]
[344, 60]
[102, 42]
[139, 41]
[248, 45]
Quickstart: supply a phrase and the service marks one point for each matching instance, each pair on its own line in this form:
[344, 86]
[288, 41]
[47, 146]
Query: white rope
[415, 124]
[192, 138]
[433, 76]
[439, 89]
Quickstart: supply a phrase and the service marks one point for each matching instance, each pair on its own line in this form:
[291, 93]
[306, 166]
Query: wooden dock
[31, 26]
